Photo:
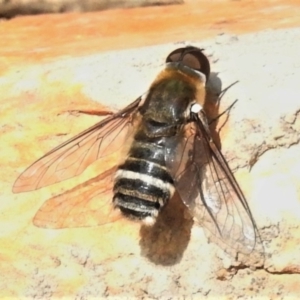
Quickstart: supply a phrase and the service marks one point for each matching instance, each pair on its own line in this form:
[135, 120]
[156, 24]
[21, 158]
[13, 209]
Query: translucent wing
[88, 204]
[72, 157]
[208, 188]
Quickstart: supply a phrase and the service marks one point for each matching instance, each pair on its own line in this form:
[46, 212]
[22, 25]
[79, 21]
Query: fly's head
[191, 57]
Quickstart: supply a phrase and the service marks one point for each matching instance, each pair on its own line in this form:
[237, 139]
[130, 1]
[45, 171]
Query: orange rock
[46, 64]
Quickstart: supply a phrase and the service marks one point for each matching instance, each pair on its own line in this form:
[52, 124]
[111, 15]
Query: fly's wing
[88, 204]
[209, 189]
[72, 157]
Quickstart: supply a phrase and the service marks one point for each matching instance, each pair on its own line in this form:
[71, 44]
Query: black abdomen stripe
[142, 184]
[148, 151]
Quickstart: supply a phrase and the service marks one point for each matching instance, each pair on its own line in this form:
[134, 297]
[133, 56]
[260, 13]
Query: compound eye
[191, 57]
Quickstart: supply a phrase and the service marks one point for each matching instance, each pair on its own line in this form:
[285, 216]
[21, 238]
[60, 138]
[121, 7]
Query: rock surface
[53, 64]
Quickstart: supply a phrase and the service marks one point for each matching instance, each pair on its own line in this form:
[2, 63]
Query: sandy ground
[174, 259]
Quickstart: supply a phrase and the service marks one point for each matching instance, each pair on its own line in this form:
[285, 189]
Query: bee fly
[144, 183]
[171, 148]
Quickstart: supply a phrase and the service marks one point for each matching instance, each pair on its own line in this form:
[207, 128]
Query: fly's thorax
[143, 184]
[168, 103]
[191, 77]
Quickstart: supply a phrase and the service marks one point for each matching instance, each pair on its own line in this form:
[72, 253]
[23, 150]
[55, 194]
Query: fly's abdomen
[142, 184]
